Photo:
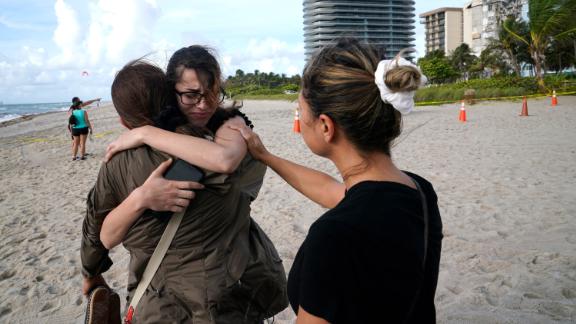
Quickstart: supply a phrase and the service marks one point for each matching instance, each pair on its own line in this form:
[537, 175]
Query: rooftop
[435, 11]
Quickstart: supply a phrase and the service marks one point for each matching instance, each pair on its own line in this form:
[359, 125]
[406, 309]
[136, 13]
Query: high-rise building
[388, 24]
[482, 19]
[475, 24]
[443, 29]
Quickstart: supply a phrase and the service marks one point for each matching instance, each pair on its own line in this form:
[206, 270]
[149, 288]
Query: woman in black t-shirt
[374, 256]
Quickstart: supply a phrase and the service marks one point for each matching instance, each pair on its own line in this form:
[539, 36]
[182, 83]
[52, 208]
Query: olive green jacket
[220, 268]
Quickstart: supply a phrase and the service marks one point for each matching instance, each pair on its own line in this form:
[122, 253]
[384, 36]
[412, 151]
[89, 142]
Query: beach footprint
[53, 259]
[24, 290]
[568, 293]
[37, 237]
[7, 274]
[5, 310]
[46, 307]
[52, 290]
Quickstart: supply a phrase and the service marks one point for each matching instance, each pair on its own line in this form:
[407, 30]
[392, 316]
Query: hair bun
[397, 80]
[402, 78]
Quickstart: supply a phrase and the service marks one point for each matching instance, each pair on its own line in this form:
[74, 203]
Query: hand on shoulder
[253, 141]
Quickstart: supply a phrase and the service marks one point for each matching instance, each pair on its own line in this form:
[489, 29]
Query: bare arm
[303, 317]
[87, 120]
[89, 102]
[317, 186]
[120, 219]
[223, 155]
[157, 194]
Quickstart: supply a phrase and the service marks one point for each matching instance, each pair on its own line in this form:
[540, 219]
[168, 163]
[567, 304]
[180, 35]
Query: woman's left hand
[253, 141]
[130, 139]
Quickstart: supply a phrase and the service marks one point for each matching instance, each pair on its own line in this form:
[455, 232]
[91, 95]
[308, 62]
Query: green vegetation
[496, 87]
[262, 86]
[550, 21]
[437, 68]
[281, 96]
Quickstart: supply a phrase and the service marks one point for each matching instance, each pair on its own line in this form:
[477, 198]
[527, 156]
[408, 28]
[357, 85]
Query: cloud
[115, 32]
[18, 25]
[67, 33]
[127, 27]
[35, 56]
[100, 36]
[22, 71]
[43, 77]
[266, 55]
[181, 14]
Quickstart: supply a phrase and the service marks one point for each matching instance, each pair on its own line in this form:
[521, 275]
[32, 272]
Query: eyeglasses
[194, 97]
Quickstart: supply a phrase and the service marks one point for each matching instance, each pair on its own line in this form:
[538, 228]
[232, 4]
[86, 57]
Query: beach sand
[506, 187]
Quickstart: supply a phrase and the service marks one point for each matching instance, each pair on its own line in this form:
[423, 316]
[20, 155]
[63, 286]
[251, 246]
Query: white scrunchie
[403, 101]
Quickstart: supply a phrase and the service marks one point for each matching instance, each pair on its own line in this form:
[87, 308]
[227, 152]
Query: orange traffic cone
[554, 99]
[462, 116]
[296, 127]
[524, 107]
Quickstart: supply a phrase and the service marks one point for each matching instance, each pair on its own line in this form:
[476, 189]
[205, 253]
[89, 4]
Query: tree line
[261, 83]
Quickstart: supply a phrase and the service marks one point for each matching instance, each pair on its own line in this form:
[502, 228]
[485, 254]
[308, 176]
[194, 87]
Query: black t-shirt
[362, 260]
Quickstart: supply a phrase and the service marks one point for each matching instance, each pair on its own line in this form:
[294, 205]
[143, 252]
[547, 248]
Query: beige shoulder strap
[154, 263]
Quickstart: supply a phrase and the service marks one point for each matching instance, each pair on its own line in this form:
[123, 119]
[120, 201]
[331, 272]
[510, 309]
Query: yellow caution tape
[538, 95]
[100, 135]
[35, 140]
[30, 140]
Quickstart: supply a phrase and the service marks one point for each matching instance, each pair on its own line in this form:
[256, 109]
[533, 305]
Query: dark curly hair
[202, 60]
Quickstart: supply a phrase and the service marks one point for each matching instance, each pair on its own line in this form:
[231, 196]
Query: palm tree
[560, 55]
[548, 20]
[515, 50]
[462, 59]
[490, 59]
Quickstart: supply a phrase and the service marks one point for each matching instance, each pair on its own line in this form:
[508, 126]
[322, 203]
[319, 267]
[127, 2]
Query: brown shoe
[103, 307]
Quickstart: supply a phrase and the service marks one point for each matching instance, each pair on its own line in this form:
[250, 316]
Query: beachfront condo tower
[476, 24]
[482, 19]
[443, 29]
[387, 24]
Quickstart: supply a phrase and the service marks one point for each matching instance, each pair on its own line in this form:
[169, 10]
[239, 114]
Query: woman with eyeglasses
[195, 76]
[234, 275]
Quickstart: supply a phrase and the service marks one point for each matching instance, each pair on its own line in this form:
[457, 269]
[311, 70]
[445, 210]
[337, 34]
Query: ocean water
[8, 112]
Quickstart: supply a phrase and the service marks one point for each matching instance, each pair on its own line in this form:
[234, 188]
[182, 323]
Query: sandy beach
[506, 186]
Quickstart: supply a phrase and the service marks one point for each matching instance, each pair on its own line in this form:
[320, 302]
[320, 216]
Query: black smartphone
[181, 170]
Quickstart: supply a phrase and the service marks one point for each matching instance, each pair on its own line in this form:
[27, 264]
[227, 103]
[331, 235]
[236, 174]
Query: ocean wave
[32, 109]
[8, 117]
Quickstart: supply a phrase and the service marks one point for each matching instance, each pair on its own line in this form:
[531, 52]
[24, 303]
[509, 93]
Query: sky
[46, 45]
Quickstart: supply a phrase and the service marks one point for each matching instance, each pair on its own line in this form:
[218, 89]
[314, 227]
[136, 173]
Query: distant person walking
[79, 125]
